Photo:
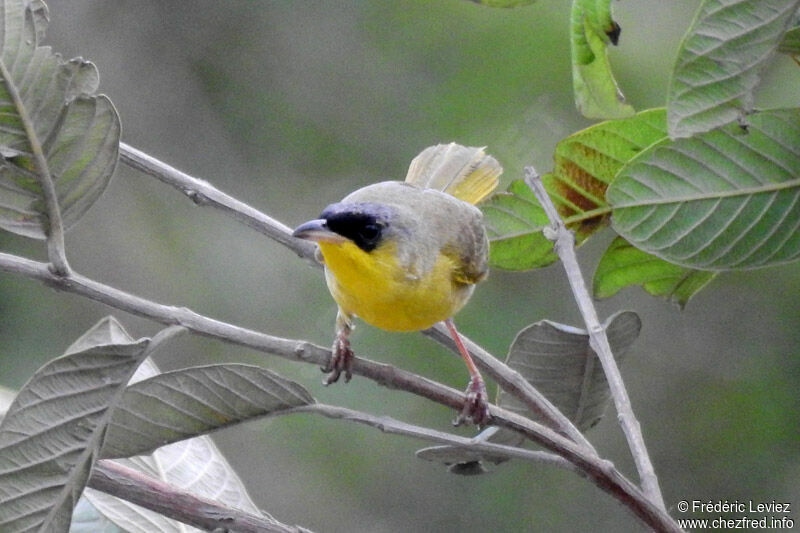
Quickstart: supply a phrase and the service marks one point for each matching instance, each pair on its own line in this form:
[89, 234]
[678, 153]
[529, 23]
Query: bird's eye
[370, 233]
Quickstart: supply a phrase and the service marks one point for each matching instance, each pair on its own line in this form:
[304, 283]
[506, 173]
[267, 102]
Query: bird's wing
[465, 172]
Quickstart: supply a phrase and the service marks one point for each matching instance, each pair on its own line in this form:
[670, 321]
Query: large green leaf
[725, 199]
[558, 361]
[185, 403]
[47, 102]
[194, 465]
[53, 431]
[720, 60]
[596, 92]
[623, 265]
[585, 163]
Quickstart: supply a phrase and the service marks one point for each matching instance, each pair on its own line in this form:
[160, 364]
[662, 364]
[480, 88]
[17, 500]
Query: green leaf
[585, 163]
[558, 361]
[514, 222]
[47, 103]
[596, 92]
[623, 265]
[53, 430]
[194, 465]
[185, 403]
[725, 199]
[791, 42]
[720, 60]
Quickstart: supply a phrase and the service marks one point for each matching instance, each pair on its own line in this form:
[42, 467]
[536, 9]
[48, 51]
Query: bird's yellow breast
[377, 288]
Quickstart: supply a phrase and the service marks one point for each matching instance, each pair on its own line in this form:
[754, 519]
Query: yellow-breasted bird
[403, 256]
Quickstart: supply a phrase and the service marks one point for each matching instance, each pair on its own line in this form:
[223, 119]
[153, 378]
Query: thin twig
[56, 250]
[131, 485]
[395, 427]
[565, 248]
[202, 193]
[601, 472]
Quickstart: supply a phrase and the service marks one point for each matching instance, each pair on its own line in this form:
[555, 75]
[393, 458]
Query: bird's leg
[341, 356]
[476, 408]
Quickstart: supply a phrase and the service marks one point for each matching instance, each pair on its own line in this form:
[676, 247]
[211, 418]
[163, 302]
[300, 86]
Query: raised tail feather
[465, 172]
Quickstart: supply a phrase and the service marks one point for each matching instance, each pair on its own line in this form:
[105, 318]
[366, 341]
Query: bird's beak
[316, 230]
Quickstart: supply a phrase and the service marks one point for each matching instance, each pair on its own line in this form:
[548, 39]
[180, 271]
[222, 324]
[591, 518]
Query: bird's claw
[476, 406]
[341, 361]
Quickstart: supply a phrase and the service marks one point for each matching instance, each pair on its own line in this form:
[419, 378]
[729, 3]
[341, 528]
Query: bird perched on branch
[403, 256]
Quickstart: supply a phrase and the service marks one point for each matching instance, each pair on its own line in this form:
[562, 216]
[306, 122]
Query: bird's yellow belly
[378, 290]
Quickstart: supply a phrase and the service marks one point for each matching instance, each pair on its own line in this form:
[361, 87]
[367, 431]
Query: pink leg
[341, 356]
[476, 408]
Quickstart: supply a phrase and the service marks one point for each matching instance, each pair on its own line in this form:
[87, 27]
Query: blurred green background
[291, 105]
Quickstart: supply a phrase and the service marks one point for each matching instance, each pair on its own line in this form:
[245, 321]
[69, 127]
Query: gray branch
[565, 248]
[395, 427]
[172, 502]
[204, 194]
[601, 472]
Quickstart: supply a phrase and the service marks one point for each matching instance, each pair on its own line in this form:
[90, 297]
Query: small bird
[403, 256]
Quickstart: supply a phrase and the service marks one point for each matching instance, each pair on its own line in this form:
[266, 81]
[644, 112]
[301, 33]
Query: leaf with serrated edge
[79, 133]
[53, 430]
[623, 265]
[725, 199]
[720, 60]
[558, 361]
[185, 403]
[585, 163]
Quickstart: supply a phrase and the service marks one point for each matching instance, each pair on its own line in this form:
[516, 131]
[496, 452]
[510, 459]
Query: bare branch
[602, 472]
[203, 193]
[126, 483]
[565, 248]
[396, 427]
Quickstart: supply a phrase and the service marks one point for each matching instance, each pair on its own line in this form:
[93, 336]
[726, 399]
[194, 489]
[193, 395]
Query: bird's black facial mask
[362, 223]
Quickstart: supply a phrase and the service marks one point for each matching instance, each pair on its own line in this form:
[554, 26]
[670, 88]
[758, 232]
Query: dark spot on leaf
[613, 33]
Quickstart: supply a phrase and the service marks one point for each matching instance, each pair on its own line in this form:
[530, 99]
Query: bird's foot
[341, 361]
[476, 406]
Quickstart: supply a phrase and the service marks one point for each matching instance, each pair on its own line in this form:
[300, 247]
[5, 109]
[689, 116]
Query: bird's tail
[465, 172]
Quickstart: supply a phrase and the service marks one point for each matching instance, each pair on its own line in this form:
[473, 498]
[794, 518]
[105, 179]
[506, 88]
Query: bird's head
[364, 224]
